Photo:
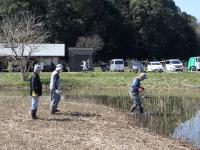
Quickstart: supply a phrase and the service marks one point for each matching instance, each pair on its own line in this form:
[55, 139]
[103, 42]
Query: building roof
[45, 50]
[80, 49]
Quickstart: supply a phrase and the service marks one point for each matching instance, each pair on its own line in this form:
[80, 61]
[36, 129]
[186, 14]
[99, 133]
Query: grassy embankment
[111, 88]
[109, 83]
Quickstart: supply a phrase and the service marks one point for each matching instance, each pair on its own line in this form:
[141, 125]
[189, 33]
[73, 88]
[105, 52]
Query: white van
[155, 66]
[174, 65]
[117, 65]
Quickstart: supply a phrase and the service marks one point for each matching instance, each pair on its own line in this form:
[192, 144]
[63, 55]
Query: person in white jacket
[55, 89]
[84, 66]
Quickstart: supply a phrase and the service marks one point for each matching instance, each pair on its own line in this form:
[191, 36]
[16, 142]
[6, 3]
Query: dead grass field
[80, 125]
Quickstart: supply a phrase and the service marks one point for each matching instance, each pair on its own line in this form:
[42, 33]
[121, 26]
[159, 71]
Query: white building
[42, 53]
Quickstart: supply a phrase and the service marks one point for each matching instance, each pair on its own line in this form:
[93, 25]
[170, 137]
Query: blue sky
[191, 7]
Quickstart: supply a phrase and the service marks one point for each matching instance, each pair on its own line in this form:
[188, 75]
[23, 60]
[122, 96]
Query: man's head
[59, 68]
[37, 68]
[142, 76]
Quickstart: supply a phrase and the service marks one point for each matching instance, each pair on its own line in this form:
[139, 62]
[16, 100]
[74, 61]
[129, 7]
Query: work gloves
[58, 92]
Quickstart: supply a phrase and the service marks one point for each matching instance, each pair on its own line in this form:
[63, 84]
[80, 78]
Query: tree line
[142, 29]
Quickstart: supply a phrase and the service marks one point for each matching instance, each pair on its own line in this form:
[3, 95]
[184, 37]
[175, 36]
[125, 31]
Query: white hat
[59, 67]
[37, 68]
[143, 75]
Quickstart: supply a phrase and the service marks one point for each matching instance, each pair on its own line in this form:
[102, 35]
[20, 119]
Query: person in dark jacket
[35, 90]
[135, 91]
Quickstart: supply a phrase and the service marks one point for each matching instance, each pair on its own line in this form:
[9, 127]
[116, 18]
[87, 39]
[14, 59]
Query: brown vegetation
[78, 126]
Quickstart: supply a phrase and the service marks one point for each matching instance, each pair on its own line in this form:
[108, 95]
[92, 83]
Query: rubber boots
[141, 110]
[33, 113]
[133, 108]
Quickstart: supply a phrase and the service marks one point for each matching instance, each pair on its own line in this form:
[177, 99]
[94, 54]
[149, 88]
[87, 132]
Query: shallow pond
[175, 116]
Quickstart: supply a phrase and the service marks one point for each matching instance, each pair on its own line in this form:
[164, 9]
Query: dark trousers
[136, 100]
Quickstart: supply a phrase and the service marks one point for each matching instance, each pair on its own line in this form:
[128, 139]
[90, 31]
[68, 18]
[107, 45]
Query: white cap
[143, 75]
[37, 68]
[59, 67]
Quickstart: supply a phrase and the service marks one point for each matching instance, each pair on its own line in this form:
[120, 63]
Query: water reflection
[189, 130]
[168, 111]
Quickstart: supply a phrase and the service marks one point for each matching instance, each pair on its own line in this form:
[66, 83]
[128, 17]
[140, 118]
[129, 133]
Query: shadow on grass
[81, 114]
[59, 119]
[59, 116]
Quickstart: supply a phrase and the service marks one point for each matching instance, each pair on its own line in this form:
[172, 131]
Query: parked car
[117, 65]
[136, 66]
[14, 68]
[104, 67]
[48, 68]
[174, 65]
[194, 63]
[155, 66]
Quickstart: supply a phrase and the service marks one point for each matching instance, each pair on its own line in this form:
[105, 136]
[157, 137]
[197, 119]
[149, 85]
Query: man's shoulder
[54, 72]
[136, 80]
[34, 75]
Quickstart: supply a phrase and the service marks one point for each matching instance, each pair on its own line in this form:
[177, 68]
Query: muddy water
[174, 116]
[189, 130]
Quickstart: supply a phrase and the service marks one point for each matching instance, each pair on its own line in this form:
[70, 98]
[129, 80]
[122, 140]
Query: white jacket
[55, 81]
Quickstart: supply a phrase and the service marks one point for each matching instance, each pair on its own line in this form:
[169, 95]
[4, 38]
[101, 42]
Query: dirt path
[78, 126]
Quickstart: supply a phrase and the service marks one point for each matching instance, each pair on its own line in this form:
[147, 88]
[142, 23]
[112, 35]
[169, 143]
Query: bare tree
[94, 41]
[22, 33]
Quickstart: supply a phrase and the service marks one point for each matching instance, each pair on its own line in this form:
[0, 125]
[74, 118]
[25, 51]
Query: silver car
[136, 66]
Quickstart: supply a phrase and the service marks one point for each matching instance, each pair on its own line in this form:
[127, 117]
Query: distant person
[84, 65]
[42, 65]
[35, 90]
[1, 64]
[55, 89]
[88, 64]
[52, 66]
[135, 91]
[104, 66]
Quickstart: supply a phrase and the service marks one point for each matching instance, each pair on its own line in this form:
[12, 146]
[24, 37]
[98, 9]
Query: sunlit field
[94, 108]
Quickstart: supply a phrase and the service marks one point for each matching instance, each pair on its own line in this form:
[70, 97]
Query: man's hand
[141, 89]
[58, 91]
[33, 93]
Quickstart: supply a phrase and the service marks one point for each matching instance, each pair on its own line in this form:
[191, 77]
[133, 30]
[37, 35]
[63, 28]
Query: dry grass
[78, 126]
